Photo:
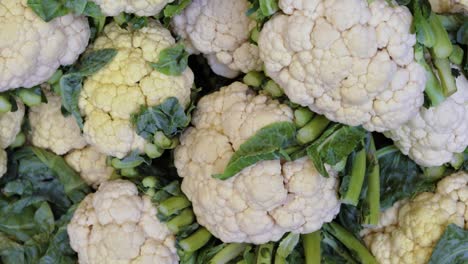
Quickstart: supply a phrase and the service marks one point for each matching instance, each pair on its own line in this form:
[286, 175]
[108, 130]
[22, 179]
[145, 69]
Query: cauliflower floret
[51, 130]
[113, 94]
[91, 165]
[449, 6]
[115, 225]
[264, 201]
[3, 162]
[220, 30]
[10, 125]
[138, 7]
[31, 49]
[418, 224]
[347, 60]
[435, 135]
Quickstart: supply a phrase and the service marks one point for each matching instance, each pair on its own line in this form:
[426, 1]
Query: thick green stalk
[286, 246]
[5, 105]
[445, 75]
[20, 139]
[254, 79]
[302, 116]
[312, 130]
[265, 254]
[434, 172]
[162, 140]
[358, 173]
[254, 34]
[457, 55]
[353, 244]
[153, 151]
[443, 46]
[312, 250]
[29, 97]
[273, 89]
[433, 88]
[149, 182]
[228, 253]
[172, 205]
[55, 78]
[185, 218]
[195, 241]
[129, 172]
[373, 188]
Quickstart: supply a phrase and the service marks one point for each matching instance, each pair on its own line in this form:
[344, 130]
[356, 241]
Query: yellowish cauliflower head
[51, 130]
[31, 49]
[115, 225]
[3, 162]
[449, 6]
[263, 201]
[435, 135]
[10, 125]
[418, 224]
[113, 94]
[220, 29]
[138, 7]
[348, 60]
[91, 165]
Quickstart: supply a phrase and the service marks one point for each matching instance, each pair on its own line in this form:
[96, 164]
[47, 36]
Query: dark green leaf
[172, 61]
[133, 160]
[176, 8]
[48, 9]
[70, 89]
[267, 144]
[94, 61]
[44, 218]
[462, 34]
[452, 247]
[76, 6]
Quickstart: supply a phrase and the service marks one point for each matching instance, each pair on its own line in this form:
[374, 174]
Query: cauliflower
[435, 135]
[3, 162]
[418, 224]
[113, 94]
[220, 29]
[10, 125]
[91, 165]
[263, 201]
[449, 6]
[115, 225]
[31, 49]
[51, 130]
[138, 7]
[347, 60]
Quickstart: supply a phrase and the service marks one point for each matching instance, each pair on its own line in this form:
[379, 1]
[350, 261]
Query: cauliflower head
[3, 162]
[31, 49]
[91, 165]
[220, 29]
[262, 202]
[112, 95]
[435, 135]
[10, 125]
[138, 7]
[449, 6]
[347, 60]
[51, 130]
[417, 225]
[115, 225]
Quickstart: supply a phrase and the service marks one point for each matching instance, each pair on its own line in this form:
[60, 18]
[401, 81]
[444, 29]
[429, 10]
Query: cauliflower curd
[138, 7]
[263, 201]
[10, 126]
[117, 91]
[31, 50]
[347, 60]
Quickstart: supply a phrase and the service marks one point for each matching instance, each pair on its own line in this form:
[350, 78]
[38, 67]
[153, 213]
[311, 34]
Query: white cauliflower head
[112, 95]
[115, 225]
[3, 162]
[51, 130]
[10, 125]
[138, 7]
[418, 224]
[262, 202]
[347, 60]
[449, 6]
[435, 135]
[31, 49]
[220, 29]
[91, 165]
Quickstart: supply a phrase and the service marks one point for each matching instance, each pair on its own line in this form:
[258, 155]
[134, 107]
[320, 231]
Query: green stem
[129, 172]
[358, 173]
[434, 172]
[5, 105]
[433, 88]
[228, 253]
[254, 79]
[353, 244]
[20, 139]
[55, 78]
[286, 246]
[195, 241]
[312, 250]
[457, 55]
[185, 218]
[386, 150]
[443, 46]
[29, 98]
[445, 75]
[457, 161]
[302, 116]
[373, 189]
[254, 34]
[153, 151]
[161, 140]
[312, 130]
[149, 182]
[273, 89]
[265, 254]
[172, 205]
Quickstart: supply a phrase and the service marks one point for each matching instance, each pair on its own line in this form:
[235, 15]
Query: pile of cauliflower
[351, 62]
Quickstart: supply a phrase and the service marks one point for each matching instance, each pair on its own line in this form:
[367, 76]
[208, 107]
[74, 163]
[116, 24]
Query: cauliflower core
[51, 130]
[416, 226]
[138, 7]
[348, 60]
[220, 29]
[115, 225]
[10, 125]
[449, 6]
[435, 135]
[112, 95]
[263, 201]
[91, 165]
[31, 50]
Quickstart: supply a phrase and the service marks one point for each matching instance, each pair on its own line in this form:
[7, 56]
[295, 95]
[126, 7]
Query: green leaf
[176, 8]
[93, 62]
[76, 6]
[172, 61]
[267, 144]
[287, 245]
[268, 7]
[452, 247]
[48, 9]
[44, 218]
[168, 117]
[70, 89]
[335, 144]
[133, 160]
